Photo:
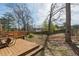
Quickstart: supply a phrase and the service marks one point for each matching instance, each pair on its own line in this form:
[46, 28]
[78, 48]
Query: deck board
[21, 46]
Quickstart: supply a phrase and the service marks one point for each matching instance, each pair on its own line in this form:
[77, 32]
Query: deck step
[34, 52]
[29, 51]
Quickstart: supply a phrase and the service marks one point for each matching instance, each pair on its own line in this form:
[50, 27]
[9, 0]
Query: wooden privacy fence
[14, 34]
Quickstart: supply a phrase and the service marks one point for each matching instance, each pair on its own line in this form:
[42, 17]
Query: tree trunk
[68, 23]
[48, 32]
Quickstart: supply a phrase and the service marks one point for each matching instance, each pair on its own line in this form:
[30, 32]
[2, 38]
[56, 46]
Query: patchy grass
[57, 45]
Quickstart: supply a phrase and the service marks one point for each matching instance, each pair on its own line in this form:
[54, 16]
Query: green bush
[30, 36]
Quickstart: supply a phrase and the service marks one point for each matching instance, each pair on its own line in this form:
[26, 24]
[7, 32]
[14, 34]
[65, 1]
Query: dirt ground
[57, 44]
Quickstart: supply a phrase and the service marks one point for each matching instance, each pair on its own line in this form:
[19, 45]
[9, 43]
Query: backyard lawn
[57, 44]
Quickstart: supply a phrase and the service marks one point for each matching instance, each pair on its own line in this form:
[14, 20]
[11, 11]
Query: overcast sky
[39, 12]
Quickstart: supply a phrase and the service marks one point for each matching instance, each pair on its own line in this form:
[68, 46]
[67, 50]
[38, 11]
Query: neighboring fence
[14, 34]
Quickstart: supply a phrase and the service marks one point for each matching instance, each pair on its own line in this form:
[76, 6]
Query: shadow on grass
[74, 48]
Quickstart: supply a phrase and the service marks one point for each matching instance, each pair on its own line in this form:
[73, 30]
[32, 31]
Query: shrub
[30, 36]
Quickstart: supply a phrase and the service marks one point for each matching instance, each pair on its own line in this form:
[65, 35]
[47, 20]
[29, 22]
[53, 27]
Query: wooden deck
[21, 47]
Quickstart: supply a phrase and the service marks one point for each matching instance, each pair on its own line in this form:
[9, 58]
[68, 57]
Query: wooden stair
[34, 52]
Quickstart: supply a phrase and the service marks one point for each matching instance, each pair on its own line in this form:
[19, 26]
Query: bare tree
[7, 21]
[53, 11]
[22, 14]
